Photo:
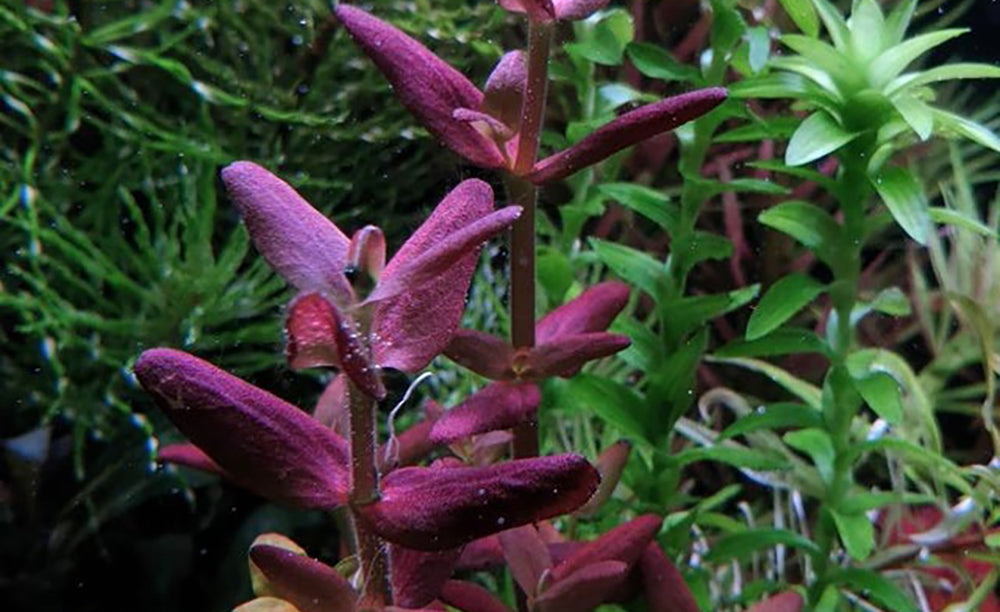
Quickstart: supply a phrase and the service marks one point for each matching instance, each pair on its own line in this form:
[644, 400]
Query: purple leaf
[537, 10]
[565, 355]
[504, 91]
[496, 406]
[591, 311]
[789, 601]
[624, 543]
[610, 465]
[625, 131]
[302, 245]
[484, 354]
[189, 455]
[426, 85]
[663, 583]
[469, 597]
[577, 9]
[583, 590]
[311, 333]
[366, 255]
[412, 445]
[438, 508]
[265, 444]
[415, 326]
[527, 556]
[417, 576]
[333, 406]
[309, 585]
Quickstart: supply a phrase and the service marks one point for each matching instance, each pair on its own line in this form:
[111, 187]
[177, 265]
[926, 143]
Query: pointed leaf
[650, 203]
[817, 136]
[965, 127]
[657, 63]
[565, 355]
[591, 311]
[905, 198]
[809, 224]
[527, 556]
[785, 298]
[189, 455]
[610, 465]
[627, 130]
[444, 507]
[881, 392]
[856, 532]
[896, 58]
[309, 585]
[584, 589]
[663, 583]
[417, 576]
[426, 85]
[873, 585]
[624, 543]
[415, 326]
[578, 9]
[366, 255]
[774, 416]
[898, 20]
[635, 266]
[948, 72]
[789, 601]
[265, 444]
[742, 544]
[803, 14]
[484, 354]
[834, 22]
[297, 241]
[504, 91]
[816, 443]
[496, 406]
[916, 113]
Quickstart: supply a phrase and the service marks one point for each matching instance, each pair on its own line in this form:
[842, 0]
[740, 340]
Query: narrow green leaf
[633, 265]
[803, 14]
[881, 392]
[916, 113]
[774, 416]
[650, 203]
[699, 247]
[760, 47]
[867, 24]
[742, 544]
[950, 216]
[681, 315]
[856, 532]
[825, 57]
[809, 224]
[834, 23]
[870, 584]
[806, 391]
[898, 20]
[817, 136]
[947, 72]
[892, 301]
[968, 128]
[656, 62]
[761, 129]
[614, 402]
[895, 59]
[905, 198]
[782, 341]
[817, 444]
[736, 456]
[785, 298]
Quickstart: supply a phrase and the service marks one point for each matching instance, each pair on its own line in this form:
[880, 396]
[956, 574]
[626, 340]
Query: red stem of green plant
[523, 193]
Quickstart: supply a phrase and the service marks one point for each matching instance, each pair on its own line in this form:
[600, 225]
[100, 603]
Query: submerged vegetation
[743, 357]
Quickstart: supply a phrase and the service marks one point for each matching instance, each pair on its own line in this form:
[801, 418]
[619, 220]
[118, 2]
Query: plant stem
[364, 490]
[524, 193]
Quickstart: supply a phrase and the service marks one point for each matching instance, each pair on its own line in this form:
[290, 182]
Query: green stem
[524, 194]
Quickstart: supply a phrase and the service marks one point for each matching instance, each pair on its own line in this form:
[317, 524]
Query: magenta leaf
[504, 91]
[417, 576]
[263, 443]
[496, 406]
[527, 556]
[302, 245]
[470, 597]
[311, 333]
[410, 446]
[591, 311]
[484, 122]
[189, 455]
[307, 584]
[789, 601]
[663, 583]
[438, 508]
[625, 131]
[366, 255]
[584, 589]
[565, 355]
[624, 543]
[577, 9]
[333, 405]
[484, 354]
[610, 465]
[415, 326]
[426, 85]
[537, 10]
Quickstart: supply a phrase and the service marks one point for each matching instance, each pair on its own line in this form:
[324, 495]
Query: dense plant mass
[741, 396]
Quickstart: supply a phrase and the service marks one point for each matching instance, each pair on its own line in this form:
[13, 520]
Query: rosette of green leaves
[860, 94]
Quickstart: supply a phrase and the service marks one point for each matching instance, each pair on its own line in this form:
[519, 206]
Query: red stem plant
[412, 526]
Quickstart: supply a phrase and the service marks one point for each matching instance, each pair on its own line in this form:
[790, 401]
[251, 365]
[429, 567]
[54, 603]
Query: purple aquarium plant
[414, 519]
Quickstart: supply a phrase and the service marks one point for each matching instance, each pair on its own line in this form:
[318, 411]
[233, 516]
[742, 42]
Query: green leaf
[870, 584]
[968, 128]
[782, 341]
[804, 390]
[760, 47]
[603, 40]
[614, 402]
[856, 532]
[803, 14]
[895, 59]
[761, 129]
[818, 135]
[898, 20]
[812, 226]
[742, 544]
[948, 72]
[679, 316]
[736, 456]
[671, 383]
[826, 58]
[834, 23]
[633, 265]
[650, 203]
[905, 198]
[698, 247]
[891, 301]
[785, 298]
[916, 113]
[727, 26]
[817, 444]
[866, 25]
[774, 416]
[555, 274]
[655, 62]
[881, 392]
[950, 216]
